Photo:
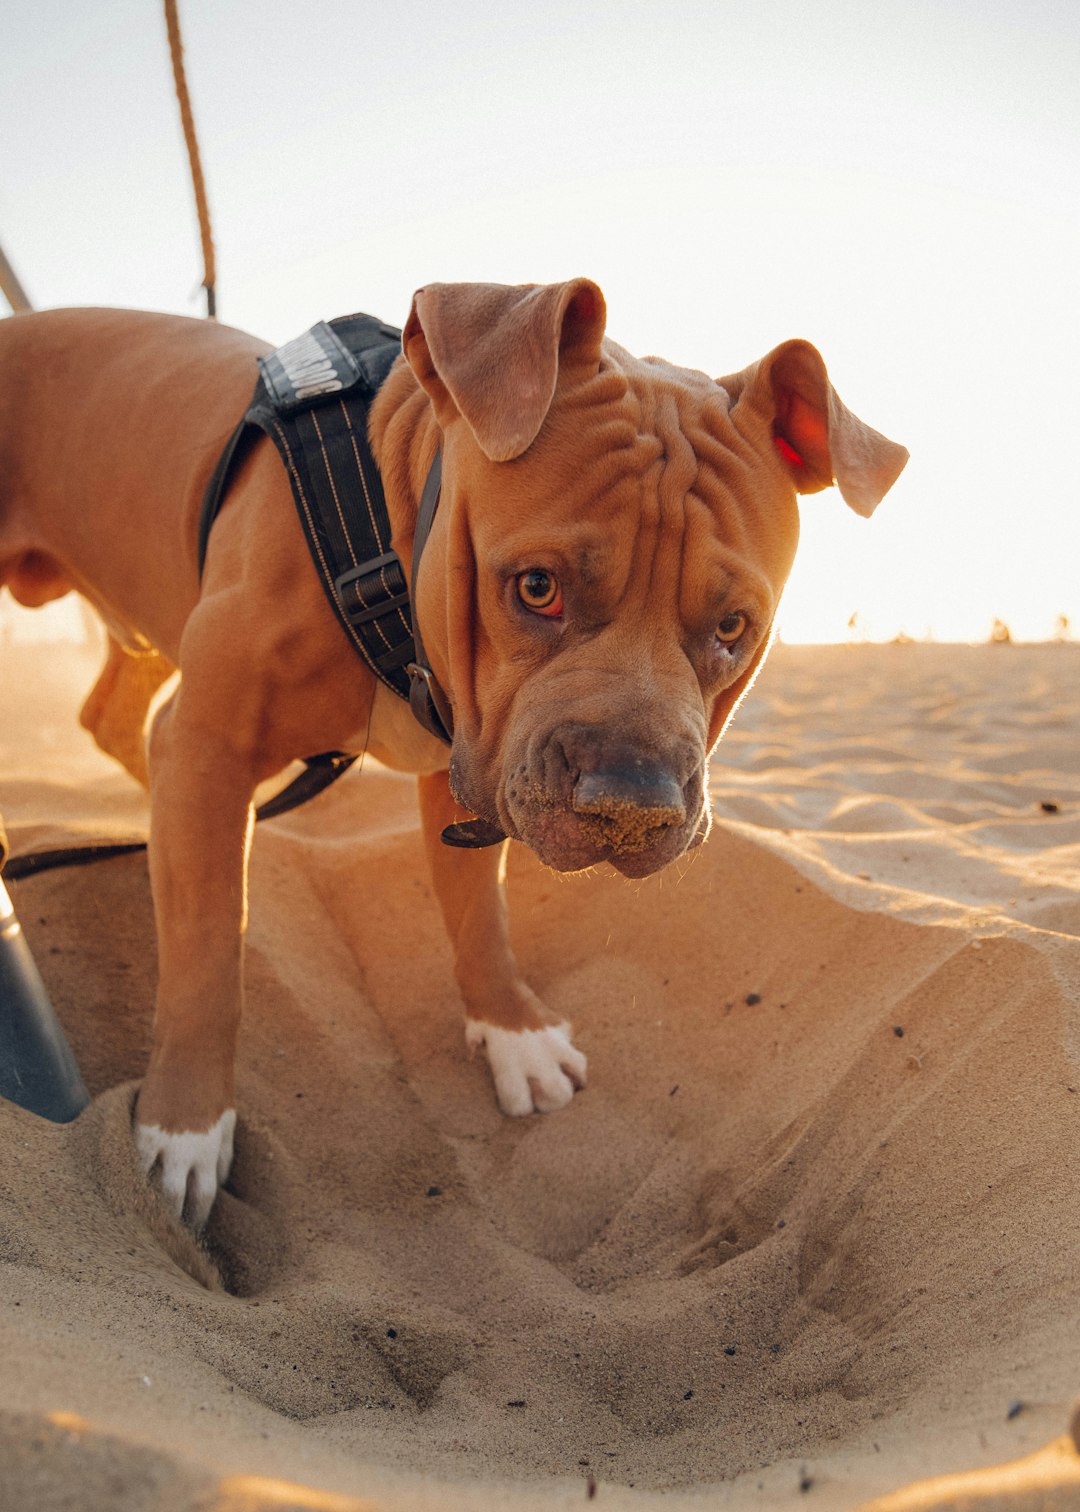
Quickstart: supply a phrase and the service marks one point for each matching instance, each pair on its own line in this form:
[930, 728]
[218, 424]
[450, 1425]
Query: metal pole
[37, 1068]
[12, 289]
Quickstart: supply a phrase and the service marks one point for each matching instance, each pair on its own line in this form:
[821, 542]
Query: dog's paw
[535, 1070]
[192, 1166]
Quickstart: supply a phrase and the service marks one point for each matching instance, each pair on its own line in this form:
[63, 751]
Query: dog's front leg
[200, 835]
[534, 1063]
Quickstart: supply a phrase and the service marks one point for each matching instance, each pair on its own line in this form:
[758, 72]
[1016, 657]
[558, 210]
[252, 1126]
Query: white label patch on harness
[312, 365]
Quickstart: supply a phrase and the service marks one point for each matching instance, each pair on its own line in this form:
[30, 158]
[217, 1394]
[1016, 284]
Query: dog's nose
[628, 807]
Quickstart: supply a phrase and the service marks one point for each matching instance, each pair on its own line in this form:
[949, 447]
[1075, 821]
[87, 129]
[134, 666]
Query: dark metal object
[37, 1068]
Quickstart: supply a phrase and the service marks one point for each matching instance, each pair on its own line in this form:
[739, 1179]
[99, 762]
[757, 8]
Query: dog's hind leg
[535, 1065]
[117, 708]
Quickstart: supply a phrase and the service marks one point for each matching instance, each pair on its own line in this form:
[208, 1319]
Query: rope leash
[187, 119]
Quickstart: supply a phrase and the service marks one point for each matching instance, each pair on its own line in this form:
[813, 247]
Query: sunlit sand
[810, 1235]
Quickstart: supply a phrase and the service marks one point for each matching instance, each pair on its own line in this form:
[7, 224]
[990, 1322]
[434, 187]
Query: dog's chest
[397, 740]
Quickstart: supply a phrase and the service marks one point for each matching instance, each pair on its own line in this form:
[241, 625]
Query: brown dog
[596, 596]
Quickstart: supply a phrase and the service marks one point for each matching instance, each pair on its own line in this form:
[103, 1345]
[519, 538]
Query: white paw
[192, 1166]
[535, 1070]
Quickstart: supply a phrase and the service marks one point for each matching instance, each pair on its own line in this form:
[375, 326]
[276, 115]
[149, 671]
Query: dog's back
[100, 408]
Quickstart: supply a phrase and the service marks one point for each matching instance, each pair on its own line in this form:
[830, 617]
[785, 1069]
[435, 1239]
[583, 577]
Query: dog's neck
[405, 437]
[406, 440]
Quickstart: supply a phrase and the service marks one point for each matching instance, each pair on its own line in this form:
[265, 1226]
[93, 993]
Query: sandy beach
[809, 1238]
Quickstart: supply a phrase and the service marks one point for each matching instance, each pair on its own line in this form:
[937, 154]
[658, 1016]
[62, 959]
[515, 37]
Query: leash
[319, 772]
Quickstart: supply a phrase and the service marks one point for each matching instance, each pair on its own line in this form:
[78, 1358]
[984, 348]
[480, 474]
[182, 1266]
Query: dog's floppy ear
[492, 352]
[819, 439]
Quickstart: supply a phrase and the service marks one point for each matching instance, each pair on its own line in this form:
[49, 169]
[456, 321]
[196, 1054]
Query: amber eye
[731, 628]
[539, 591]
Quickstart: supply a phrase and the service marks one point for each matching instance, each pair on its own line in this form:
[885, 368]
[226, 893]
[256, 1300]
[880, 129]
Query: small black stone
[729, 1350]
[1015, 1409]
[898, 1031]
[391, 1333]
[1047, 808]
[687, 1395]
[806, 1482]
[434, 1191]
[517, 1402]
[753, 999]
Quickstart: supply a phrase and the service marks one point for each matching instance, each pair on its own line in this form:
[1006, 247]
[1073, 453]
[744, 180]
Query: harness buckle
[391, 589]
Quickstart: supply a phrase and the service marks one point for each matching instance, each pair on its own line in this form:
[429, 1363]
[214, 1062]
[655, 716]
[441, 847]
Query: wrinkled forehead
[640, 434]
[647, 408]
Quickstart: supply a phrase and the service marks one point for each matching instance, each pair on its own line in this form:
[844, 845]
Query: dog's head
[614, 535]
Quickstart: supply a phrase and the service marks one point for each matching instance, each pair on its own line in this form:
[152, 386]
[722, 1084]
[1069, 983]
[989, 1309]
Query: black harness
[312, 399]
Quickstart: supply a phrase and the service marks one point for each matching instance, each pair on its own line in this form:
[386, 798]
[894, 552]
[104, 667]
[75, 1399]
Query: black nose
[628, 807]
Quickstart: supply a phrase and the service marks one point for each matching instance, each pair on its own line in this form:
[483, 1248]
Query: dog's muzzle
[628, 810]
[632, 811]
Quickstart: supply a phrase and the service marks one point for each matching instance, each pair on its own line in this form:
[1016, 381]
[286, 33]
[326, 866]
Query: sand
[810, 1236]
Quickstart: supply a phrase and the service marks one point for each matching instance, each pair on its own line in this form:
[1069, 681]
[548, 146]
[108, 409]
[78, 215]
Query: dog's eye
[539, 591]
[731, 628]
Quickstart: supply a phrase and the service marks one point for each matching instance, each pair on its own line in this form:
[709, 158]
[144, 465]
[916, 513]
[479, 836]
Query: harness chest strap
[424, 692]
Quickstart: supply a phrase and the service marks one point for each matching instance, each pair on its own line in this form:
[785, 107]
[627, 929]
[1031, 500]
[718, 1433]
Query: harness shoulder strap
[214, 496]
[313, 403]
[312, 399]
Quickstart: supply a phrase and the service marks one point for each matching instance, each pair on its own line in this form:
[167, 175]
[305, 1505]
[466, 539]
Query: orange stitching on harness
[311, 524]
[345, 531]
[406, 625]
[333, 490]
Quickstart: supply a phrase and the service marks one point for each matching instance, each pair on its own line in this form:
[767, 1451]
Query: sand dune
[810, 1236]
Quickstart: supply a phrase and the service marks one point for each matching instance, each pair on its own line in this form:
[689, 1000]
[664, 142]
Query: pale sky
[897, 182]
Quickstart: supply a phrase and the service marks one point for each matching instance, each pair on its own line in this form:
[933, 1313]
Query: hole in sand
[762, 1236]
[247, 1237]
